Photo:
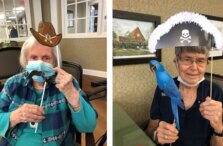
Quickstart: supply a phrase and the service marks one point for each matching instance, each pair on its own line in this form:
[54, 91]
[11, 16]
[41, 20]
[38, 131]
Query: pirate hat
[46, 34]
[185, 29]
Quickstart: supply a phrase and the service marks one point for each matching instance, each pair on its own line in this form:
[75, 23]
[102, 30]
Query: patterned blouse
[61, 122]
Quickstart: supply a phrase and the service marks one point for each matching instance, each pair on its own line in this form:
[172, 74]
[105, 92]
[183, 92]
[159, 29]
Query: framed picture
[131, 32]
[218, 22]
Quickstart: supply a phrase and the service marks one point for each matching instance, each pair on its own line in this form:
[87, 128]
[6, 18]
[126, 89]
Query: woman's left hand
[65, 85]
[212, 110]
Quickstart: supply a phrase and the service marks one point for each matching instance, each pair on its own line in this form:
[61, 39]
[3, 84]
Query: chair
[74, 69]
[77, 71]
[99, 93]
[9, 58]
[9, 44]
[218, 79]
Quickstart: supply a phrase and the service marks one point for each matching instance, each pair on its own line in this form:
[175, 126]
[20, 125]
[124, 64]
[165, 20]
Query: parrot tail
[180, 103]
[175, 114]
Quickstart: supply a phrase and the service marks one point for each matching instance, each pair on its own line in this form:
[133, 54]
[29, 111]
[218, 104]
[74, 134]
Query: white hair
[27, 46]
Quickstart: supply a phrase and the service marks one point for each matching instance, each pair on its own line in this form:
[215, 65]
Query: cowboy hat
[46, 34]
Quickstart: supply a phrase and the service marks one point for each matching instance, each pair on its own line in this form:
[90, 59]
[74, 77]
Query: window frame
[101, 32]
[28, 23]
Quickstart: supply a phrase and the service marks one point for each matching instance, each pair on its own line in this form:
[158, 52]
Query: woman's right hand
[166, 133]
[27, 113]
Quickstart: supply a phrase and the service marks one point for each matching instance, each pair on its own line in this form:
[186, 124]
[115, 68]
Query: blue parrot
[167, 85]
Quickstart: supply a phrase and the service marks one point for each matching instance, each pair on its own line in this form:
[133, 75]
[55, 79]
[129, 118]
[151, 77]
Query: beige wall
[45, 4]
[134, 85]
[90, 53]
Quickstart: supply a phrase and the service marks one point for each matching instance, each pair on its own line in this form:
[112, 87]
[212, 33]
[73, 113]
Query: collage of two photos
[116, 73]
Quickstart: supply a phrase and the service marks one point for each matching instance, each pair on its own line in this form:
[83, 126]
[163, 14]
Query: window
[84, 18]
[14, 19]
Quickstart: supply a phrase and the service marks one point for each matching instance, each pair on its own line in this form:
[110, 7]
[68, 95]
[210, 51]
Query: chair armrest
[99, 83]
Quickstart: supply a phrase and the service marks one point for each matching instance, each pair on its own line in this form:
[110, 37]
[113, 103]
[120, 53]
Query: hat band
[47, 37]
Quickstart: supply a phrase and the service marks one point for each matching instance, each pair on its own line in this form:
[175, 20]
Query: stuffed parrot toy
[167, 85]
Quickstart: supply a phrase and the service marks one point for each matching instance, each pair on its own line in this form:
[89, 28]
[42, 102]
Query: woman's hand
[212, 111]
[65, 85]
[27, 113]
[166, 133]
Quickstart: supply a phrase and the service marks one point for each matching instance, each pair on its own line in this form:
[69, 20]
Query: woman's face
[192, 66]
[41, 52]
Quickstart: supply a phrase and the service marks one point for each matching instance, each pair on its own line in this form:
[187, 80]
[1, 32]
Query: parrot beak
[153, 67]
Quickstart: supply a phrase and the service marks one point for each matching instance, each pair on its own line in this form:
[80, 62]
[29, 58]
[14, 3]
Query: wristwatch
[219, 134]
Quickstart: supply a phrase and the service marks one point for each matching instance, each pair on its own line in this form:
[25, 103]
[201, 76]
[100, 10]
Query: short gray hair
[26, 47]
[192, 49]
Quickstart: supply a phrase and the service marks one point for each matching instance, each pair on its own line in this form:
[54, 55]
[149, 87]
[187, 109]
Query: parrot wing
[171, 90]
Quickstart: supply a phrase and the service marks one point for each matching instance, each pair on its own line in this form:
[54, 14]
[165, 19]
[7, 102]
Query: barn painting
[130, 38]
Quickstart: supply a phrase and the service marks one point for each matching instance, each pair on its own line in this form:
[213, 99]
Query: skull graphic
[185, 36]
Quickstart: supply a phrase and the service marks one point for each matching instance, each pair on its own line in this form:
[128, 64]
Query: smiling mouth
[193, 77]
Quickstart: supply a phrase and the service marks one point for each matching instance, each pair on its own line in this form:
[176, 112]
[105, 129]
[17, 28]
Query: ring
[165, 137]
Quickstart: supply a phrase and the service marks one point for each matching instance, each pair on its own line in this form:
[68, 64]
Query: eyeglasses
[189, 61]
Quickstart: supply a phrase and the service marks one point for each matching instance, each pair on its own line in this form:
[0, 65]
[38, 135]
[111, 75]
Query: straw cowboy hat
[46, 34]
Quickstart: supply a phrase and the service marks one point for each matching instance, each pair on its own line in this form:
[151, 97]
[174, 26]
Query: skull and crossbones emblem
[185, 36]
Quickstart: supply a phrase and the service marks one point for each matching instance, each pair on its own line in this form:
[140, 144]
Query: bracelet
[154, 135]
[218, 134]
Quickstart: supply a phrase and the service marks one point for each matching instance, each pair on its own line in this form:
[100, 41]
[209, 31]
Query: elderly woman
[23, 121]
[201, 120]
